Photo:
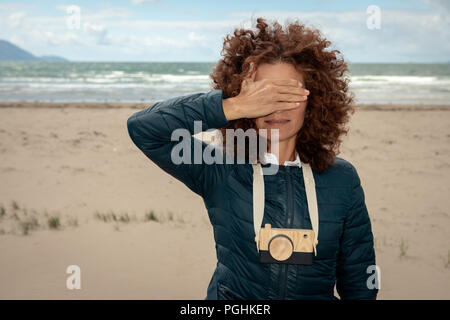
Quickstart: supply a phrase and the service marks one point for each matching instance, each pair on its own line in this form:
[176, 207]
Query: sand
[75, 162]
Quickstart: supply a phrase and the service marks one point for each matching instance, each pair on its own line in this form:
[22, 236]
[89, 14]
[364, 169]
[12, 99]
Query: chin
[282, 134]
[286, 128]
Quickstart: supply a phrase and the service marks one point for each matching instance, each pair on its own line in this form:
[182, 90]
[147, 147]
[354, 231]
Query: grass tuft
[2, 211]
[111, 216]
[151, 216]
[403, 247]
[27, 225]
[53, 222]
[15, 205]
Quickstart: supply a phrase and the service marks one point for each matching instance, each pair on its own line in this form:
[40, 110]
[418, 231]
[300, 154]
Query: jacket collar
[272, 158]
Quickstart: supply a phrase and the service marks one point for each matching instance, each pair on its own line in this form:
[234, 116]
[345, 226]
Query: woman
[261, 84]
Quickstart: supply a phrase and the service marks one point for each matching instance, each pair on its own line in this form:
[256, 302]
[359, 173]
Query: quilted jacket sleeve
[151, 131]
[357, 251]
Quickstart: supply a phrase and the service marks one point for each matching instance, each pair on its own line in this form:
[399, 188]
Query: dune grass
[54, 223]
[112, 217]
[403, 248]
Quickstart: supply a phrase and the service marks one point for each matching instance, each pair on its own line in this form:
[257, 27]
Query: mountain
[11, 52]
[52, 59]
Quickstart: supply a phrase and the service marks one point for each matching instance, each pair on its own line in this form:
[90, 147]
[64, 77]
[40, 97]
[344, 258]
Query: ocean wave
[119, 85]
[116, 77]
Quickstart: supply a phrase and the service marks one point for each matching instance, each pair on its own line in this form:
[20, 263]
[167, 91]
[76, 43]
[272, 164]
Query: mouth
[277, 122]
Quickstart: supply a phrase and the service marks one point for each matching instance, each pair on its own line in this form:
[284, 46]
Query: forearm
[151, 131]
[157, 122]
[231, 109]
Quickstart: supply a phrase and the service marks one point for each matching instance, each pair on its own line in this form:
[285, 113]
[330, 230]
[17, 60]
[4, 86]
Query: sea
[155, 81]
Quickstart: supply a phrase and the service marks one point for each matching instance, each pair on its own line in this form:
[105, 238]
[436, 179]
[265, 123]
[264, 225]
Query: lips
[277, 121]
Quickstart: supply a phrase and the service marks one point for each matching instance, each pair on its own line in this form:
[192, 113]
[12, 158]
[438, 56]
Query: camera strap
[259, 200]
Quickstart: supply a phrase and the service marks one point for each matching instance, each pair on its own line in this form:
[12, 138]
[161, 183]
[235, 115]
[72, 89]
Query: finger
[290, 97]
[286, 82]
[287, 105]
[282, 90]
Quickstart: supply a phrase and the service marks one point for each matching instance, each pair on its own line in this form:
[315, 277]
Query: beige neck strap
[259, 201]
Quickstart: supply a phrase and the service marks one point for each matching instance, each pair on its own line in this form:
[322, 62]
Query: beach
[76, 191]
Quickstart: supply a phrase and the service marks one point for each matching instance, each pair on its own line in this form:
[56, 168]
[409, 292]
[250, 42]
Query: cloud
[105, 13]
[195, 37]
[405, 35]
[141, 1]
[15, 19]
[442, 4]
[208, 25]
[98, 32]
[55, 30]
[54, 39]
[23, 30]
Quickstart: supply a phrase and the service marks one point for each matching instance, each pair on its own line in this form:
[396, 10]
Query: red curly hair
[329, 102]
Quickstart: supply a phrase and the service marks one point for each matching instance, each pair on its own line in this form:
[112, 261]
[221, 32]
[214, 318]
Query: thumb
[252, 71]
[250, 77]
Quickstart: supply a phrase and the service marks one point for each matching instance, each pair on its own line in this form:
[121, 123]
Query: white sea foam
[135, 82]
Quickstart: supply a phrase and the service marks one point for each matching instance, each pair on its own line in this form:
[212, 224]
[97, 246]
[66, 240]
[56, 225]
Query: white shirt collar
[272, 158]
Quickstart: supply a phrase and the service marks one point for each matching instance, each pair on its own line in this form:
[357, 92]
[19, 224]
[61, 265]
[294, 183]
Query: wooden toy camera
[291, 246]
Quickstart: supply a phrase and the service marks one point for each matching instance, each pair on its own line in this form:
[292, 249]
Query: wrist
[231, 109]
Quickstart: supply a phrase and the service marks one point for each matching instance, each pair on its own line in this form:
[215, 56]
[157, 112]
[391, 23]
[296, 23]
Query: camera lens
[281, 247]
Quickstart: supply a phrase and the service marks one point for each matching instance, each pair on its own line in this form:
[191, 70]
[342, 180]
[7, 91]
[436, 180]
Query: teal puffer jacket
[345, 249]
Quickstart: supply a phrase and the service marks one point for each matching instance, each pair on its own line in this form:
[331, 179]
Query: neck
[286, 150]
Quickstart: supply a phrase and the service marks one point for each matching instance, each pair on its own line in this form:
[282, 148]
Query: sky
[168, 30]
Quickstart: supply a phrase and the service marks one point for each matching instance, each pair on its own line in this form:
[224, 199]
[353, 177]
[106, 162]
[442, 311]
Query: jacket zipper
[283, 270]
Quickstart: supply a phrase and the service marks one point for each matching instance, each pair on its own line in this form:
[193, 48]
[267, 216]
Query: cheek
[297, 117]
[259, 122]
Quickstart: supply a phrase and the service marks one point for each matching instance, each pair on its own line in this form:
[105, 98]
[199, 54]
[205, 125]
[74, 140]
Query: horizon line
[212, 62]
